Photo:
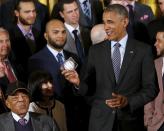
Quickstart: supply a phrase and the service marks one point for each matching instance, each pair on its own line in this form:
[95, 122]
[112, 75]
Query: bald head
[98, 34]
[54, 23]
[55, 34]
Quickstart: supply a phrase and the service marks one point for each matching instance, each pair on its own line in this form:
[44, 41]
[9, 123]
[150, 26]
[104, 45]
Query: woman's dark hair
[35, 82]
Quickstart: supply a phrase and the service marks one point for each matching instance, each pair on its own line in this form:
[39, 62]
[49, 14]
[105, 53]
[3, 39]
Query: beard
[25, 22]
[55, 45]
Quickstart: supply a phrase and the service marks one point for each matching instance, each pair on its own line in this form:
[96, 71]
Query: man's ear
[61, 14]
[45, 36]
[126, 22]
[7, 103]
[16, 13]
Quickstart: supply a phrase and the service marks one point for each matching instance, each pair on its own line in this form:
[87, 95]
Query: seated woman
[43, 101]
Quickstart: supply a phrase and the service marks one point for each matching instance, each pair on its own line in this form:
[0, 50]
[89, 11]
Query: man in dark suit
[25, 39]
[69, 11]
[19, 119]
[48, 59]
[7, 9]
[124, 73]
[10, 70]
[143, 14]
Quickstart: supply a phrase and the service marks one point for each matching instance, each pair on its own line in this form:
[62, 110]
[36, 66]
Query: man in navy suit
[48, 59]
[124, 74]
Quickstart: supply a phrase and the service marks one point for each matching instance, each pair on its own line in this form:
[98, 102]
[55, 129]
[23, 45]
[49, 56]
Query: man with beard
[50, 59]
[25, 39]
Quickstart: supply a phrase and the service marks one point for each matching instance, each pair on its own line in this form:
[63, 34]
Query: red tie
[9, 73]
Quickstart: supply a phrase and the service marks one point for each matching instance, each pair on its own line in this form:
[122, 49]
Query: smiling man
[124, 74]
[19, 119]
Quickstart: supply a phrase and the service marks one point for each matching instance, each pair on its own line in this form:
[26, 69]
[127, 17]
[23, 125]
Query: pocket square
[144, 17]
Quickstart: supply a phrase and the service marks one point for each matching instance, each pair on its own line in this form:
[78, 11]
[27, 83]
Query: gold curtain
[151, 3]
[49, 3]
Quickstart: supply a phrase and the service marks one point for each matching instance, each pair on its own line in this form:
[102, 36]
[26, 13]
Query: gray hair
[119, 9]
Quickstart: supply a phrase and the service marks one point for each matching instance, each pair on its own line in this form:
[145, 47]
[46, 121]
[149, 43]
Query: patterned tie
[60, 58]
[116, 60]
[22, 121]
[131, 13]
[9, 72]
[86, 9]
[79, 48]
[31, 42]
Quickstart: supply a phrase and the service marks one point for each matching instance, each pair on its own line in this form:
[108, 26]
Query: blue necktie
[79, 47]
[86, 9]
[116, 60]
[60, 59]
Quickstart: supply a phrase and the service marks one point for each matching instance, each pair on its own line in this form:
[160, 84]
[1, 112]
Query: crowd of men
[81, 68]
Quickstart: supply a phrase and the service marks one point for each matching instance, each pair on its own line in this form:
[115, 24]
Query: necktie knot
[60, 58]
[130, 7]
[22, 121]
[75, 32]
[85, 2]
[117, 45]
[28, 35]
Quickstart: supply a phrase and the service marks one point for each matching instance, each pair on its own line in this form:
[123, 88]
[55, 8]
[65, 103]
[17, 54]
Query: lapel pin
[131, 52]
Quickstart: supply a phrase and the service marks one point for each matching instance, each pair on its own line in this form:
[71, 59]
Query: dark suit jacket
[39, 122]
[76, 109]
[17, 69]
[44, 60]
[137, 81]
[143, 14]
[20, 47]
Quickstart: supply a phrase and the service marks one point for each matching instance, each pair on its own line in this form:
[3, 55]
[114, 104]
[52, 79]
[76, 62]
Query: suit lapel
[9, 119]
[129, 54]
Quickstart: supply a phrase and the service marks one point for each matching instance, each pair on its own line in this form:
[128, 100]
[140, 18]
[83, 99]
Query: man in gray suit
[69, 11]
[19, 119]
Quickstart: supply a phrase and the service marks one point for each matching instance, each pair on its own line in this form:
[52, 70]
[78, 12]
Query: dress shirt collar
[24, 31]
[70, 28]
[122, 42]
[16, 117]
[54, 52]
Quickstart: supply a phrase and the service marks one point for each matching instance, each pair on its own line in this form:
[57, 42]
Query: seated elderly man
[98, 34]
[19, 119]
